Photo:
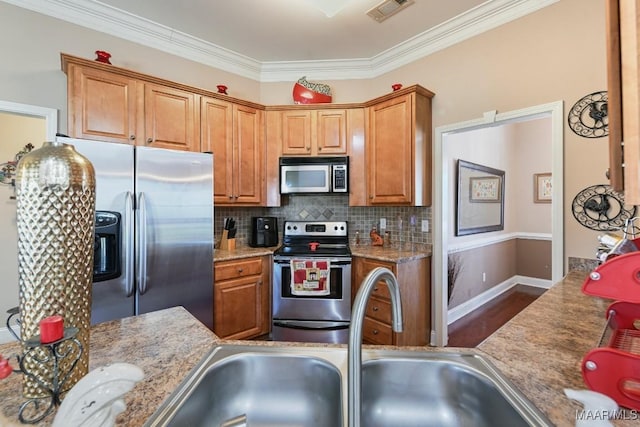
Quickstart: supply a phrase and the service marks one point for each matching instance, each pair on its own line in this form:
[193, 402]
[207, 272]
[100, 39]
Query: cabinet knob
[149, 140]
[371, 196]
[375, 308]
[240, 270]
[231, 196]
[375, 289]
[308, 148]
[375, 332]
[235, 197]
[260, 282]
[319, 148]
[607, 174]
[132, 137]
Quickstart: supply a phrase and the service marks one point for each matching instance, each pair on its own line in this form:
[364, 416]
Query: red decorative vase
[103, 56]
[396, 86]
[222, 89]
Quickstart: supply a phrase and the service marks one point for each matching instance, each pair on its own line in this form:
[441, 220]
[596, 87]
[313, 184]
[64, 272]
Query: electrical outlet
[425, 225]
[383, 223]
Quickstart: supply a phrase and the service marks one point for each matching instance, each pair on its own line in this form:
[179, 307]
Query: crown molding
[98, 16]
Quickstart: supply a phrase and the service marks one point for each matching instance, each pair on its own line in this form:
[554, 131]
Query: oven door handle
[288, 261]
[312, 325]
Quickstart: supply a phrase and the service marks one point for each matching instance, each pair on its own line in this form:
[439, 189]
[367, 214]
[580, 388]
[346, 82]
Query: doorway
[442, 215]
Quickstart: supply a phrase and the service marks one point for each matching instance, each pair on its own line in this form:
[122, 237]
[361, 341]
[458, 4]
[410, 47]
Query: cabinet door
[630, 77]
[102, 105]
[237, 308]
[296, 132]
[331, 132]
[390, 156]
[248, 153]
[170, 118]
[216, 132]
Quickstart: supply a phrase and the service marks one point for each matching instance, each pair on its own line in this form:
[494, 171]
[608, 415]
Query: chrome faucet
[355, 334]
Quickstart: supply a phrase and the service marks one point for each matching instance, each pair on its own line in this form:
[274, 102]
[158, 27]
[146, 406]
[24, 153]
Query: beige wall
[15, 132]
[499, 263]
[534, 60]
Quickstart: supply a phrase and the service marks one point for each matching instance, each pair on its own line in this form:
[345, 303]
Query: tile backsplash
[333, 208]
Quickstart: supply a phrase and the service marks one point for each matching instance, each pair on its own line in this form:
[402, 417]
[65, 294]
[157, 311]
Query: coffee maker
[264, 231]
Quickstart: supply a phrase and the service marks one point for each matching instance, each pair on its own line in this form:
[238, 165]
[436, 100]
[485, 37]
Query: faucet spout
[355, 334]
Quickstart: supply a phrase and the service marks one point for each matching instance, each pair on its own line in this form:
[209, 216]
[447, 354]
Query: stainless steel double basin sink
[287, 386]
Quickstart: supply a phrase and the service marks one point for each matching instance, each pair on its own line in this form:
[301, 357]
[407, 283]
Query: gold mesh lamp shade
[55, 192]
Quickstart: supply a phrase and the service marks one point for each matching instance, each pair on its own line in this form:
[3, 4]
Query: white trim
[49, 114]
[101, 17]
[459, 311]
[441, 203]
[492, 240]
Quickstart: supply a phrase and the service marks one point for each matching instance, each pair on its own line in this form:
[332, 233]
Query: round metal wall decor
[601, 208]
[589, 116]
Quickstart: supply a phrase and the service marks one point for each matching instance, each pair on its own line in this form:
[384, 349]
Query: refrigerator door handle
[129, 241]
[142, 244]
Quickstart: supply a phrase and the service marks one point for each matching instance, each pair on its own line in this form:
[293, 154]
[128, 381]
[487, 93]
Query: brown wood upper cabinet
[235, 135]
[623, 51]
[314, 132]
[398, 149]
[114, 105]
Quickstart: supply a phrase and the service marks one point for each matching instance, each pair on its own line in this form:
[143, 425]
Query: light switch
[425, 225]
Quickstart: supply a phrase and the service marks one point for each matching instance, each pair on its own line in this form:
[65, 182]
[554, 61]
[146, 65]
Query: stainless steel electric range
[312, 283]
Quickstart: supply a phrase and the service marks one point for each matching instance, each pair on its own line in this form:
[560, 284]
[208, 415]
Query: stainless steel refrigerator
[154, 230]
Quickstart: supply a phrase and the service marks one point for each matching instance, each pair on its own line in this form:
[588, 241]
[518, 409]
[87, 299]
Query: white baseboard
[467, 307]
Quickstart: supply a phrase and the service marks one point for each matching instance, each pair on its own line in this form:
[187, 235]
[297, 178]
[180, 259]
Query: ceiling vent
[388, 8]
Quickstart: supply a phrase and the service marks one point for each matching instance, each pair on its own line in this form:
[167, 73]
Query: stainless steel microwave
[314, 175]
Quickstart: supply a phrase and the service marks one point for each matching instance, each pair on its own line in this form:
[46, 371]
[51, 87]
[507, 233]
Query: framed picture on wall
[542, 188]
[484, 189]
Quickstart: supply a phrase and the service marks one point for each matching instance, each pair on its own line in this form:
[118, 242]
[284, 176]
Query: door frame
[442, 217]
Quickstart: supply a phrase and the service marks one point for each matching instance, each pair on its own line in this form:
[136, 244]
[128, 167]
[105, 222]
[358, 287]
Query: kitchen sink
[259, 386]
[440, 390]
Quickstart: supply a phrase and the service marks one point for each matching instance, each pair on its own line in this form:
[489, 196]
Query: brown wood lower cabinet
[414, 278]
[241, 297]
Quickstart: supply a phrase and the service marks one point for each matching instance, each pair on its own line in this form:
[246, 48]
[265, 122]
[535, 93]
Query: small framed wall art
[542, 187]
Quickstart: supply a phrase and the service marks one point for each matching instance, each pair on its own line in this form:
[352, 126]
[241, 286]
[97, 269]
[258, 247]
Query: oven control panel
[315, 228]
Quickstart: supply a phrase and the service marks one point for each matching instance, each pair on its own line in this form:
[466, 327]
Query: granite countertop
[391, 254]
[240, 252]
[539, 350]
[165, 344]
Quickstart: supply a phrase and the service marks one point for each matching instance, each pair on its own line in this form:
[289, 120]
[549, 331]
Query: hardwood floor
[475, 327]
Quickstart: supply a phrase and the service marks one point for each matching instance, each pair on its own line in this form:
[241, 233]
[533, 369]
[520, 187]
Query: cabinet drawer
[375, 332]
[379, 309]
[242, 268]
[381, 290]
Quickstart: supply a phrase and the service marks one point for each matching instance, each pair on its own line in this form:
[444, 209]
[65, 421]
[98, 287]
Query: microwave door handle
[129, 242]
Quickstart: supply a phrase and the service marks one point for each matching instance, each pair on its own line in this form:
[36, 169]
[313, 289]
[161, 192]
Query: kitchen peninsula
[539, 350]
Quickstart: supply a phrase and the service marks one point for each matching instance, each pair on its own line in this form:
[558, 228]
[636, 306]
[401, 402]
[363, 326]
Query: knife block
[226, 242]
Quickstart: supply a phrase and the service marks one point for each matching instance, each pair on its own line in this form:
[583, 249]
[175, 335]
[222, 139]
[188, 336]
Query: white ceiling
[272, 40]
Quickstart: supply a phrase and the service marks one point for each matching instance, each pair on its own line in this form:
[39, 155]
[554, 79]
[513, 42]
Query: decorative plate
[601, 208]
[589, 116]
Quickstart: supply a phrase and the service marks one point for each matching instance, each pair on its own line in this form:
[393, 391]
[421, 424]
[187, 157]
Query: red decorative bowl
[103, 56]
[302, 95]
[396, 86]
[222, 89]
